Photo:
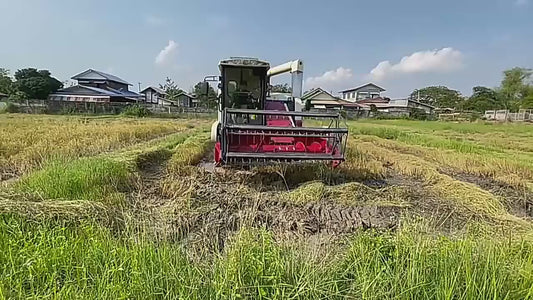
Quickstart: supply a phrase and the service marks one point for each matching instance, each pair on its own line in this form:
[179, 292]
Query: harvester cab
[254, 129]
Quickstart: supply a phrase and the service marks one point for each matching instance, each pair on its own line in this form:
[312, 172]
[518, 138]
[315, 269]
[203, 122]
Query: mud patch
[217, 212]
[203, 208]
[518, 202]
[7, 177]
[218, 204]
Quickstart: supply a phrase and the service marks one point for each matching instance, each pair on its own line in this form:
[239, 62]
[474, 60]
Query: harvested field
[30, 141]
[419, 210]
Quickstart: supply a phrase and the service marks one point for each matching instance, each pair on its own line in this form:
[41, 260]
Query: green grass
[477, 127]
[83, 179]
[98, 178]
[55, 260]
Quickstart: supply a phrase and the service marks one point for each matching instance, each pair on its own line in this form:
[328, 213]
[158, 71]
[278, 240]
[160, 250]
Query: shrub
[68, 110]
[136, 110]
[474, 116]
[9, 107]
[418, 114]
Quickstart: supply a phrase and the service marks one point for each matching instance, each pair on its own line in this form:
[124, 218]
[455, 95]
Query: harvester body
[253, 129]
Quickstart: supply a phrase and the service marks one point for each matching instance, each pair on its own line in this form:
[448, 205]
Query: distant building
[321, 99]
[367, 91]
[96, 86]
[158, 96]
[154, 95]
[396, 107]
[364, 99]
[280, 96]
[186, 100]
[2, 96]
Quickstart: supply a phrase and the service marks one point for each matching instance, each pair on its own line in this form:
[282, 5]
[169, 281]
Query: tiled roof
[93, 74]
[158, 90]
[314, 92]
[108, 92]
[360, 87]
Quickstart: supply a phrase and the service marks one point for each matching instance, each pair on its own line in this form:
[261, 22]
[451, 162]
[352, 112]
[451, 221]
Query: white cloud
[330, 79]
[154, 20]
[167, 56]
[521, 2]
[432, 61]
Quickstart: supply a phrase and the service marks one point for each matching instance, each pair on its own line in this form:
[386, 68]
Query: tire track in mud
[218, 208]
[217, 203]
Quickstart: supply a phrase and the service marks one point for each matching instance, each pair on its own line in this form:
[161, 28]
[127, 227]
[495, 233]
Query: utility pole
[139, 91]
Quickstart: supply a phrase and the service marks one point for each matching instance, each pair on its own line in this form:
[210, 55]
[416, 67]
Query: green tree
[438, 96]
[515, 83]
[482, 99]
[281, 88]
[171, 88]
[515, 87]
[36, 84]
[527, 103]
[308, 105]
[209, 100]
[6, 83]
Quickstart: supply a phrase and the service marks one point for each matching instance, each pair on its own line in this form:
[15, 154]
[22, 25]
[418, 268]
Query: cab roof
[244, 62]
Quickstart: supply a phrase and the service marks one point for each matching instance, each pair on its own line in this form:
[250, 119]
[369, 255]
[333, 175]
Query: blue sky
[459, 44]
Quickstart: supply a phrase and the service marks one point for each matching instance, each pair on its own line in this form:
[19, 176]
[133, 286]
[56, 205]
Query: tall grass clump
[256, 266]
[9, 107]
[57, 260]
[252, 267]
[418, 266]
[136, 111]
[83, 179]
[190, 152]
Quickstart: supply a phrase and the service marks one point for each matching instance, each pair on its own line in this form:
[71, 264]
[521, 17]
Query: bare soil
[214, 204]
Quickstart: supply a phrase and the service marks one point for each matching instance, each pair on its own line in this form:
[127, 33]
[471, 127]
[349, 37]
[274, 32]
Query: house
[154, 95]
[2, 96]
[186, 100]
[396, 107]
[366, 91]
[280, 96]
[406, 105]
[320, 99]
[96, 86]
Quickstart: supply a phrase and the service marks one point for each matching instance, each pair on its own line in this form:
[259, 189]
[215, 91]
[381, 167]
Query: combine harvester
[253, 129]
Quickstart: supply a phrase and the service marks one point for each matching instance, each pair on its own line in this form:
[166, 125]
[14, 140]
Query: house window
[362, 95]
[353, 95]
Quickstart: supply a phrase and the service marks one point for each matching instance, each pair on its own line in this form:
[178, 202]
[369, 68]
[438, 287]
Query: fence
[71, 107]
[348, 114]
[523, 115]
